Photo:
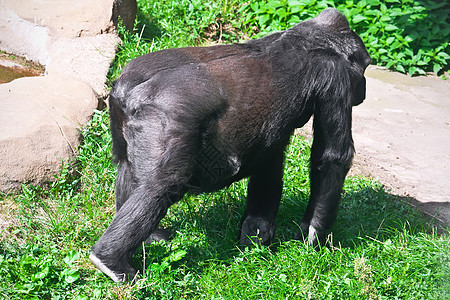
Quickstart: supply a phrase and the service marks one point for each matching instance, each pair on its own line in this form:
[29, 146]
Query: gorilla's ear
[360, 92]
[333, 19]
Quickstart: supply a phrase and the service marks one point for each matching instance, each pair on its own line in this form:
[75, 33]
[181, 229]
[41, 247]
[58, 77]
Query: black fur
[198, 119]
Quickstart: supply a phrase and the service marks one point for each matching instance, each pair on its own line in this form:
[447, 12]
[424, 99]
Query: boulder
[39, 127]
[23, 38]
[69, 19]
[126, 11]
[85, 58]
[41, 116]
[67, 37]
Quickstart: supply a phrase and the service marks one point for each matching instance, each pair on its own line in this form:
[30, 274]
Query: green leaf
[435, 29]
[423, 62]
[176, 256]
[412, 70]
[421, 71]
[409, 52]
[43, 273]
[400, 68]
[254, 6]
[373, 2]
[71, 275]
[358, 18]
[72, 257]
[443, 55]
[263, 19]
[274, 4]
[390, 39]
[436, 68]
[409, 38]
[390, 27]
[361, 3]
[445, 32]
[294, 3]
[372, 30]
[395, 45]
[281, 13]
[294, 20]
[372, 12]
[389, 64]
[400, 55]
[295, 9]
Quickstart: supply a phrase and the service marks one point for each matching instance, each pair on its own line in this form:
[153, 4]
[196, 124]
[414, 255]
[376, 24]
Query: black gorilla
[198, 119]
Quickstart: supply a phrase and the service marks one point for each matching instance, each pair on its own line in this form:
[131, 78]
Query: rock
[402, 137]
[39, 127]
[22, 37]
[86, 58]
[69, 19]
[126, 10]
[66, 40]
[41, 116]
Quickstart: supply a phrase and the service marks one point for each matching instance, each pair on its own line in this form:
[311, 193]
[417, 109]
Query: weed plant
[380, 247]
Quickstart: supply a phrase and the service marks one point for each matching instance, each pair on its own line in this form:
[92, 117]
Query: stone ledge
[39, 127]
[41, 116]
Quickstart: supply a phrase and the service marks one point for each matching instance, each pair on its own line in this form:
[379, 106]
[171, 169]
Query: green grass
[379, 248]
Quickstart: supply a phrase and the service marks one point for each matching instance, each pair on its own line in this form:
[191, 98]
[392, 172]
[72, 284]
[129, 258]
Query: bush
[408, 36]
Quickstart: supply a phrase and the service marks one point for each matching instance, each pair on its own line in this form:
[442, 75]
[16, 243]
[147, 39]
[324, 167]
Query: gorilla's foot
[159, 234]
[310, 234]
[256, 230]
[125, 274]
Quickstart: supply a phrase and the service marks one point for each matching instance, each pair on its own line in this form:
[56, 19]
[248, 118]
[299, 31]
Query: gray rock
[41, 116]
[67, 40]
[85, 58]
[125, 10]
[39, 127]
[69, 19]
[23, 38]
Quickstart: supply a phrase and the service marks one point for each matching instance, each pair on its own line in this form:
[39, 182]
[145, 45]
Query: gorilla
[197, 119]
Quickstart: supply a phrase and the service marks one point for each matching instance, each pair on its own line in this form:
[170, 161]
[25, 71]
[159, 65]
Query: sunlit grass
[379, 248]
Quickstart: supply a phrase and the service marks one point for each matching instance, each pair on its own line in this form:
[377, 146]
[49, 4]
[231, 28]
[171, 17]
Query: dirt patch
[402, 137]
[366, 165]
[8, 220]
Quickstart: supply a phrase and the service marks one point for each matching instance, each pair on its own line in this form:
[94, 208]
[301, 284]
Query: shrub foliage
[408, 36]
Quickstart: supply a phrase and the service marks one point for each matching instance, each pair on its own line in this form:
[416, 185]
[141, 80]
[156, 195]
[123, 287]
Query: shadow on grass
[209, 232]
[148, 26]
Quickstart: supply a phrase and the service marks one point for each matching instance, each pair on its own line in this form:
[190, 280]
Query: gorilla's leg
[331, 156]
[134, 222]
[264, 194]
[160, 159]
[125, 182]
